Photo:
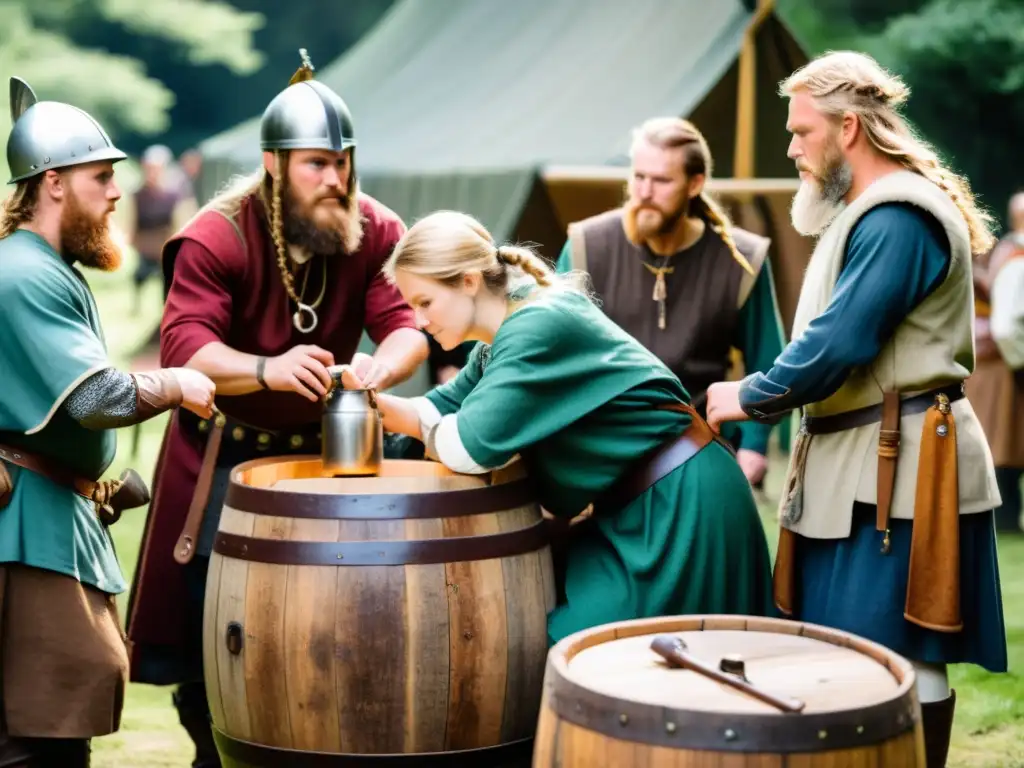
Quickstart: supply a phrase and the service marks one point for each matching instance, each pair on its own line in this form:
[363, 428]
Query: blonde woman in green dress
[598, 420]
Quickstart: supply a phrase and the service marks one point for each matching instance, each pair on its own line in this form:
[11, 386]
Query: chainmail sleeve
[106, 400]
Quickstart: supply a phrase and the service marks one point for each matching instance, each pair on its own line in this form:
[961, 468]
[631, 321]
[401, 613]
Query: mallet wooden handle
[673, 650]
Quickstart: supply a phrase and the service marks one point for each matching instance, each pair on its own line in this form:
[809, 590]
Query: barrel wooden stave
[561, 742]
[378, 659]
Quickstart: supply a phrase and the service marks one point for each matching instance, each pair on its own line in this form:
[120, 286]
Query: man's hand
[372, 373]
[302, 369]
[197, 391]
[723, 404]
[753, 464]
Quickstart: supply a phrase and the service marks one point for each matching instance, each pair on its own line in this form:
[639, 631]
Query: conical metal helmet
[307, 115]
[48, 135]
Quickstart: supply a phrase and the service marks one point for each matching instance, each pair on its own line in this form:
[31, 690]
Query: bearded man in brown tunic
[674, 272]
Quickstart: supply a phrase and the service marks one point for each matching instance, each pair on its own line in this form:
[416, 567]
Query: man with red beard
[887, 524]
[271, 283]
[63, 660]
[672, 271]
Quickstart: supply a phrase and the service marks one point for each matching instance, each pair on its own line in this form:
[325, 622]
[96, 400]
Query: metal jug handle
[336, 372]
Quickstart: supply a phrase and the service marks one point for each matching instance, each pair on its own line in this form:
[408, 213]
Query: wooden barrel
[395, 619]
[611, 700]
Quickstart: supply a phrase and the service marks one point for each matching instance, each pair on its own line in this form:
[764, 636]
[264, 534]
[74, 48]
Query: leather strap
[888, 453]
[655, 466]
[872, 414]
[185, 548]
[49, 469]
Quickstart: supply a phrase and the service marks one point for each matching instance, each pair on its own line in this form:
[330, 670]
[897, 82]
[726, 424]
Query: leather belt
[872, 414]
[656, 465]
[245, 442]
[43, 466]
[110, 497]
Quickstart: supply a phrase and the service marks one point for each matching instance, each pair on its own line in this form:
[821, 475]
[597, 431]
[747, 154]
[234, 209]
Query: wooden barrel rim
[725, 732]
[272, 757]
[397, 552]
[353, 506]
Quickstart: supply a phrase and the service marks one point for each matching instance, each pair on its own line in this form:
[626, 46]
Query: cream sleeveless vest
[933, 346]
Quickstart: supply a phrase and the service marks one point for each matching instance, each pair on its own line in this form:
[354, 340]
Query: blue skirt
[850, 585]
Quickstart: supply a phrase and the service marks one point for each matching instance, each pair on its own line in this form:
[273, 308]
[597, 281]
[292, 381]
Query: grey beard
[815, 207]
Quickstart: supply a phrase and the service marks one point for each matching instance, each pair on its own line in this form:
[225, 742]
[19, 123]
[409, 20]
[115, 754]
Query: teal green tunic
[576, 397]
[51, 342]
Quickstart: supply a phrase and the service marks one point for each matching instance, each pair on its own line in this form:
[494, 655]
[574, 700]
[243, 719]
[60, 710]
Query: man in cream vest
[887, 524]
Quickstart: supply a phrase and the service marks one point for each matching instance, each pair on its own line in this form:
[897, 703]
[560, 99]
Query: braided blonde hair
[676, 133]
[446, 245]
[20, 207]
[277, 220]
[846, 81]
[267, 187]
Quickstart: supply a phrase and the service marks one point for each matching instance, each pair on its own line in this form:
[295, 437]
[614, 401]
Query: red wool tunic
[225, 292]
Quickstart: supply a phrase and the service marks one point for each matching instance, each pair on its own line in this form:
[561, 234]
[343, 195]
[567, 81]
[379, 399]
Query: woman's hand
[371, 372]
[348, 377]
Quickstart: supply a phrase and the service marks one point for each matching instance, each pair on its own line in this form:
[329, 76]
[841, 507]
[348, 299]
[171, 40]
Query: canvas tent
[520, 112]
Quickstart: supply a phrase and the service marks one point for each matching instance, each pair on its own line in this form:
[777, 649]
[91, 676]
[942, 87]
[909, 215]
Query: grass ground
[989, 728]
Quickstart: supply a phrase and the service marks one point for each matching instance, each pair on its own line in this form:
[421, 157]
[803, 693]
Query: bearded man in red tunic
[271, 283]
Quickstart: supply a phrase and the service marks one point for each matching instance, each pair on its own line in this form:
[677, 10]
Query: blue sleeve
[896, 256]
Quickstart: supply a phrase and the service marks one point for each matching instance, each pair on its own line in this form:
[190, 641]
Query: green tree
[36, 43]
[964, 63]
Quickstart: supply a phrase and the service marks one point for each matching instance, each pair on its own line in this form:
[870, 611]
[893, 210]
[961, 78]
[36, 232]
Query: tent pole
[746, 94]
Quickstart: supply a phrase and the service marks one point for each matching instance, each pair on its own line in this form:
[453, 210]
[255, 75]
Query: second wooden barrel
[611, 699]
[398, 618]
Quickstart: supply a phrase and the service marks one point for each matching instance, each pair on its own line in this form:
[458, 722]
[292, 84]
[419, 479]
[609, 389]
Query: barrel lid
[824, 676]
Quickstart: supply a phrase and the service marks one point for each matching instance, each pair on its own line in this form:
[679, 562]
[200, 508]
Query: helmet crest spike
[22, 97]
[305, 72]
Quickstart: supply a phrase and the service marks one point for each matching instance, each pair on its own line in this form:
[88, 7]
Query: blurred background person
[996, 389]
[155, 203]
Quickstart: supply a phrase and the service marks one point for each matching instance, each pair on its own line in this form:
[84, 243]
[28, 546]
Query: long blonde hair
[20, 207]
[676, 133]
[846, 81]
[446, 245]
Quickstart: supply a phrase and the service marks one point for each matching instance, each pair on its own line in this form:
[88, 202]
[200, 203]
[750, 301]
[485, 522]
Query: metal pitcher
[352, 430]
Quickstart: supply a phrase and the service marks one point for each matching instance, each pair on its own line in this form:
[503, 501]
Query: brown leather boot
[937, 720]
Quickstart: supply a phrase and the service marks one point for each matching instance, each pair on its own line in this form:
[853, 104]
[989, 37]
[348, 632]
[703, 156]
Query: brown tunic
[62, 656]
[995, 392]
[705, 292]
